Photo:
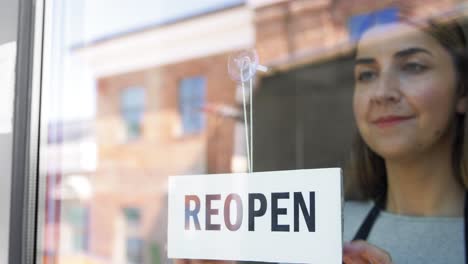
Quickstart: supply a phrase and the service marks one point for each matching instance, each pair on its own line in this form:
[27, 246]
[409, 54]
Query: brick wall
[296, 28]
[134, 173]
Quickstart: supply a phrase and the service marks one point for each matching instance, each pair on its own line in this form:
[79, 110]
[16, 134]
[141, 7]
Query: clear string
[246, 125]
[251, 125]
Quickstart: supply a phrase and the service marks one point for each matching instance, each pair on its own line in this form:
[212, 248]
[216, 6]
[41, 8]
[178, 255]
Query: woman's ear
[461, 104]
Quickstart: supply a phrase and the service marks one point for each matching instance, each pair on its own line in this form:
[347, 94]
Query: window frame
[26, 134]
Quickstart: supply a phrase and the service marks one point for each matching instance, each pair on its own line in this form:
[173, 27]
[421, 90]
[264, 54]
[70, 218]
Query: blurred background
[134, 91]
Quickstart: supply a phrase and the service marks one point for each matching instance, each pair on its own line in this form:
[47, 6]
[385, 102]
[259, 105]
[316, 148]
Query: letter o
[227, 212]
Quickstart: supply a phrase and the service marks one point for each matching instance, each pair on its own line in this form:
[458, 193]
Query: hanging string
[246, 126]
[242, 67]
[251, 125]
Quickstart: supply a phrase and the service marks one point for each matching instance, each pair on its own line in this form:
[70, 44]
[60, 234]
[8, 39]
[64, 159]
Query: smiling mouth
[390, 121]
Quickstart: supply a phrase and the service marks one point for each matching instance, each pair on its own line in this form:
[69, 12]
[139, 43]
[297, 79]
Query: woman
[411, 155]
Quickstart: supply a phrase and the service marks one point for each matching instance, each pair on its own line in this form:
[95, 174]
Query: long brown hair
[366, 177]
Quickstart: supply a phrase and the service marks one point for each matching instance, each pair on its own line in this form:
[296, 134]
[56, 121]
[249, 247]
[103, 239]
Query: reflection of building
[290, 33]
[303, 109]
[71, 152]
[156, 89]
[161, 95]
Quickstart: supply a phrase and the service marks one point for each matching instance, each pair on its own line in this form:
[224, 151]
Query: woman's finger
[366, 251]
[354, 260]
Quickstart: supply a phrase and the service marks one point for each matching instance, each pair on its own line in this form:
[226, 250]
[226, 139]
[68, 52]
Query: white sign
[281, 216]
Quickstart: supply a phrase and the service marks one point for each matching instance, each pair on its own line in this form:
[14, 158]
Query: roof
[164, 22]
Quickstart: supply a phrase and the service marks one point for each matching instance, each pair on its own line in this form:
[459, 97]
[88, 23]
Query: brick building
[156, 86]
[158, 95]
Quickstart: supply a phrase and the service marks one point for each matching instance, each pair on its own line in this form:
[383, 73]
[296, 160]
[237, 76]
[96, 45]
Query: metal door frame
[26, 133]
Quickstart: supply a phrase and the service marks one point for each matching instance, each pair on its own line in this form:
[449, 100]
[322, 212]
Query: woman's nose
[387, 89]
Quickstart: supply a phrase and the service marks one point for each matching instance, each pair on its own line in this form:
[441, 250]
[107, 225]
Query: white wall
[8, 28]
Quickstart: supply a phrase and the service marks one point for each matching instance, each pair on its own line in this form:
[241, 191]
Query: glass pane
[137, 92]
[8, 31]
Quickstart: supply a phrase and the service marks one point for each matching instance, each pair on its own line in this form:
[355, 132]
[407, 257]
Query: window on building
[132, 108]
[191, 100]
[360, 23]
[132, 217]
[134, 246]
[77, 217]
[133, 239]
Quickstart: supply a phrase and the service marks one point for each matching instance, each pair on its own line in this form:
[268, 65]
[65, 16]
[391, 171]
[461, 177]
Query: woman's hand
[360, 251]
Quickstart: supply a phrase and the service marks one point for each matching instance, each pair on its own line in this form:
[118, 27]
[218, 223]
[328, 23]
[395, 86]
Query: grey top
[410, 239]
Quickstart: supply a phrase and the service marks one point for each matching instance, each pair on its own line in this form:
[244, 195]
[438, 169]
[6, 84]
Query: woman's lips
[390, 121]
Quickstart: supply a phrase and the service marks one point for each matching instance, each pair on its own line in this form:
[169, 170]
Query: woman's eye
[366, 76]
[414, 68]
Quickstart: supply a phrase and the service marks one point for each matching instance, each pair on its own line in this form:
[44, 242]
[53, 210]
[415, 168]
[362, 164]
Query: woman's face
[405, 91]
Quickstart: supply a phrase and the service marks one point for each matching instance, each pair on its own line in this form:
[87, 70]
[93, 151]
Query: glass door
[123, 96]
